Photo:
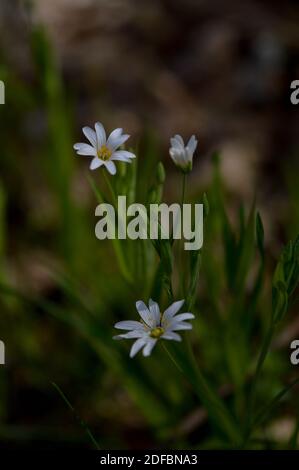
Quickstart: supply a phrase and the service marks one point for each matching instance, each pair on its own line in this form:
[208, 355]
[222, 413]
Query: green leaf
[206, 205]
[280, 300]
[195, 261]
[245, 251]
[218, 413]
[263, 414]
[260, 235]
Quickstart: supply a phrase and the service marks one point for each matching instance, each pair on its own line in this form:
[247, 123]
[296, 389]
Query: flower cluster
[154, 325]
[104, 151]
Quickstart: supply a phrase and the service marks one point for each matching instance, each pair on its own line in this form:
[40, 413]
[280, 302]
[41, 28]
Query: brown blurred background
[221, 70]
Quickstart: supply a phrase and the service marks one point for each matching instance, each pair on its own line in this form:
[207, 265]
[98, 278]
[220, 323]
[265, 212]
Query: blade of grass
[79, 420]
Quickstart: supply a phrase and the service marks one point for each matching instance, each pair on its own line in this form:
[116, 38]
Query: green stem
[110, 187]
[214, 405]
[259, 366]
[183, 189]
[181, 244]
[172, 358]
[78, 419]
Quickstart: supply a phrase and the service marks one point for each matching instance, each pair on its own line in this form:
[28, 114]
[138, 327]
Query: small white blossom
[104, 151]
[181, 155]
[154, 326]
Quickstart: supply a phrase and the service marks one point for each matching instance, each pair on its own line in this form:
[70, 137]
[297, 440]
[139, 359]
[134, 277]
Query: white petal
[177, 142]
[173, 322]
[149, 347]
[101, 134]
[183, 316]
[145, 314]
[137, 346]
[172, 310]
[123, 156]
[114, 135]
[110, 167]
[154, 310]
[96, 163]
[175, 145]
[179, 139]
[180, 326]
[90, 135]
[171, 335]
[192, 144]
[85, 149]
[175, 153]
[114, 142]
[129, 325]
[179, 157]
[131, 335]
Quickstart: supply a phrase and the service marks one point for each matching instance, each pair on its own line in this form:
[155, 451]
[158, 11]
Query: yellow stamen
[104, 153]
[157, 332]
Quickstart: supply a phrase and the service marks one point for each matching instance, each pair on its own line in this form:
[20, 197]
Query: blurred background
[220, 70]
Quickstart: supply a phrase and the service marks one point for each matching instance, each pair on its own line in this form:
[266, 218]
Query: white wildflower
[104, 151]
[154, 326]
[181, 155]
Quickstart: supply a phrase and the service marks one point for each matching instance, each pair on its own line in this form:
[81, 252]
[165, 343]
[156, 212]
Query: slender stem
[260, 363]
[213, 404]
[111, 189]
[78, 419]
[183, 189]
[181, 245]
[172, 358]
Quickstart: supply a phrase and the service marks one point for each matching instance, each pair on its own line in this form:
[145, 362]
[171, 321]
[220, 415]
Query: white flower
[181, 155]
[102, 149]
[154, 326]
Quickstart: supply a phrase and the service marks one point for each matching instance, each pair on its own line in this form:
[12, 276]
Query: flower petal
[177, 142]
[172, 336]
[192, 144]
[145, 314]
[114, 135]
[129, 325]
[96, 163]
[183, 316]
[137, 346]
[123, 156]
[110, 167]
[85, 149]
[172, 310]
[154, 310]
[90, 135]
[115, 141]
[177, 326]
[131, 335]
[101, 134]
[149, 347]
[179, 157]
[179, 139]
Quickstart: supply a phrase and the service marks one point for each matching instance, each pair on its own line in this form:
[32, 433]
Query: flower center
[157, 332]
[104, 153]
